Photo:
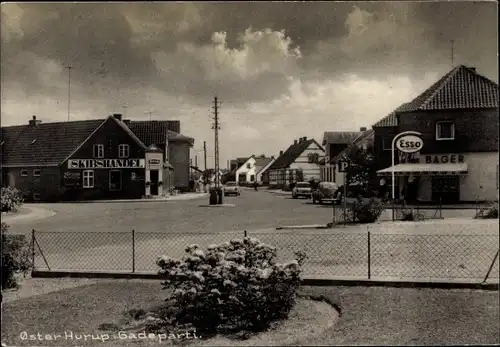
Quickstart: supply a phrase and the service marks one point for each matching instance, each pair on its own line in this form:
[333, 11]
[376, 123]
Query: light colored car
[302, 189]
[232, 188]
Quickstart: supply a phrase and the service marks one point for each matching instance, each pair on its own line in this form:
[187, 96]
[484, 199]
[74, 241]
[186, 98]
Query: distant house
[245, 173]
[261, 168]
[335, 142]
[211, 176]
[304, 156]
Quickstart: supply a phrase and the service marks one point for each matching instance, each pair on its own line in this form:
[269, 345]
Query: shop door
[446, 189]
[154, 175]
[115, 180]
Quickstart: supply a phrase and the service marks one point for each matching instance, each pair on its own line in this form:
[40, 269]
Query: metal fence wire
[330, 253]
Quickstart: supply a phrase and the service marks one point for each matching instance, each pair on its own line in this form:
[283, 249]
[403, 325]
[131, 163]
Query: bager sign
[106, 163]
[409, 144]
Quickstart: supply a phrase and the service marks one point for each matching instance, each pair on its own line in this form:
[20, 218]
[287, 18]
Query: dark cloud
[115, 44]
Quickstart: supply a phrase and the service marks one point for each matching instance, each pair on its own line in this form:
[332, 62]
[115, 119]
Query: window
[88, 179]
[249, 166]
[33, 142]
[98, 151]
[123, 151]
[115, 180]
[36, 196]
[313, 158]
[36, 172]
[445, 130]
[386, 143]
[24, 173]
[252, 178]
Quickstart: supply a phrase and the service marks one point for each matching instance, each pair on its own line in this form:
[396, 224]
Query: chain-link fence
[331, 253]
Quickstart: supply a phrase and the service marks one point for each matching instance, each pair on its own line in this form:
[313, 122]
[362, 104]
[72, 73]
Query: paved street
[98, 237]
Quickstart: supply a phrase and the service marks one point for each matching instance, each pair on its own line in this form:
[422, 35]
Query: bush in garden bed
[229, 288]
[12, 199]
[15, 257]
[366, 211]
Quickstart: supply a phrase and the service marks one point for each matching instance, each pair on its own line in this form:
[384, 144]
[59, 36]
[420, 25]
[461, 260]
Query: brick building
[94, 159]
[458, 119]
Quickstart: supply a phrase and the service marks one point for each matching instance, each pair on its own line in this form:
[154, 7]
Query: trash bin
[213, 197]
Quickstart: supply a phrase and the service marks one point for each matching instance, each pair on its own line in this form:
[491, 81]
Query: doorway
[153, 176]
[446, 189]
[115, 180]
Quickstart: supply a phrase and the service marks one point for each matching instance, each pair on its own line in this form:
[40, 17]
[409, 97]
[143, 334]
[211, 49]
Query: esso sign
[409, 144]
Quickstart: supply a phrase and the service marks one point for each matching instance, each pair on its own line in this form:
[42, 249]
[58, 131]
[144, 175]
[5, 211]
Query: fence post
[133, 250]
[245, 233]
[32, 250]
[491, 267]
[369, 255]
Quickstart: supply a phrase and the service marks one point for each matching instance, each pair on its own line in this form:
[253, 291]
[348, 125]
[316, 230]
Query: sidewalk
[26, 213]
[179, 197]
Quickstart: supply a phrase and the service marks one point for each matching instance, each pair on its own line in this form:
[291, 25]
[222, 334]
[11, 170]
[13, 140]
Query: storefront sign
[409, 144]
[444, 159]
[154, 161]
[106, 163]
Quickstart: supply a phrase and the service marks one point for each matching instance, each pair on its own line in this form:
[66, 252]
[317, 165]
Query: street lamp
[397, 137]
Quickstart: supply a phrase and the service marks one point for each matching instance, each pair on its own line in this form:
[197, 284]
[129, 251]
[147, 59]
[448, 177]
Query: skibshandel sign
[409, 144]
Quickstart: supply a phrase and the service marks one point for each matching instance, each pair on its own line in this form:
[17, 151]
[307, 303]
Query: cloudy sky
[281, 70]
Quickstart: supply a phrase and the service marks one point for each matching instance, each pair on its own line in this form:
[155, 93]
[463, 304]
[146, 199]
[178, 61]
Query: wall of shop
[481, 181]
[179, 158]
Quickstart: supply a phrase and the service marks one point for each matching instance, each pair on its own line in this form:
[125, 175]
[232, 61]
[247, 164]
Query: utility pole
[69, 90]
[205, 154]
[216, 128]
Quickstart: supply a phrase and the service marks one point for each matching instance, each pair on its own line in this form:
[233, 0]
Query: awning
[426, 170]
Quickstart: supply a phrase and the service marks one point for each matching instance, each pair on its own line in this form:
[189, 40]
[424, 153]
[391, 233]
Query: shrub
[229, 288]
[366, 211]
[15, 257]
[489, 212]
[12, 199]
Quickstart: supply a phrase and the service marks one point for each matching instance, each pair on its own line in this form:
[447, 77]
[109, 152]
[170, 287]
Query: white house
[300, 162]
[246, 173]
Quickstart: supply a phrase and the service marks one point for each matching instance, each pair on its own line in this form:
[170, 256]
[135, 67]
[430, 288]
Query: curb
[222, 205]
[36, 213]
[312, 226]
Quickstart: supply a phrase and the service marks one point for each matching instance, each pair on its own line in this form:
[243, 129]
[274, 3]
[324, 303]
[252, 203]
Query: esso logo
[409, 144]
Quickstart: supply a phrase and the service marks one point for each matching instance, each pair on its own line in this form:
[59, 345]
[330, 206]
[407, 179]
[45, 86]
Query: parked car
[302, 189]
[232, 188]
[327, 191]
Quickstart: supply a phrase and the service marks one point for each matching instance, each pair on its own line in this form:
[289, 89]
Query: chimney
[362, 129]
[304, 138]
[295, 142]
[34, 121]
[281, 153]
[118, 116]
[472, 68]
[126, 121]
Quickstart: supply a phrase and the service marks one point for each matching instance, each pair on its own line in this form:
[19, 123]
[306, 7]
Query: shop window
[98, 151]
[445, 130]
[36, 172]
[88, 179]
[24, 173]
[123, 151]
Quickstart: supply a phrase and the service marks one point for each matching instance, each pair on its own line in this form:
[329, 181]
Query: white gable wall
[245, 170]
[310, 170]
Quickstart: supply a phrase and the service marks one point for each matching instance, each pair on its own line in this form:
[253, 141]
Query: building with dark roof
[458, 119]
[301, 161]
[94, 159]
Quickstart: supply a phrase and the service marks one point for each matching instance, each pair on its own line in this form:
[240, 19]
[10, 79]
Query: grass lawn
[370, 316]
